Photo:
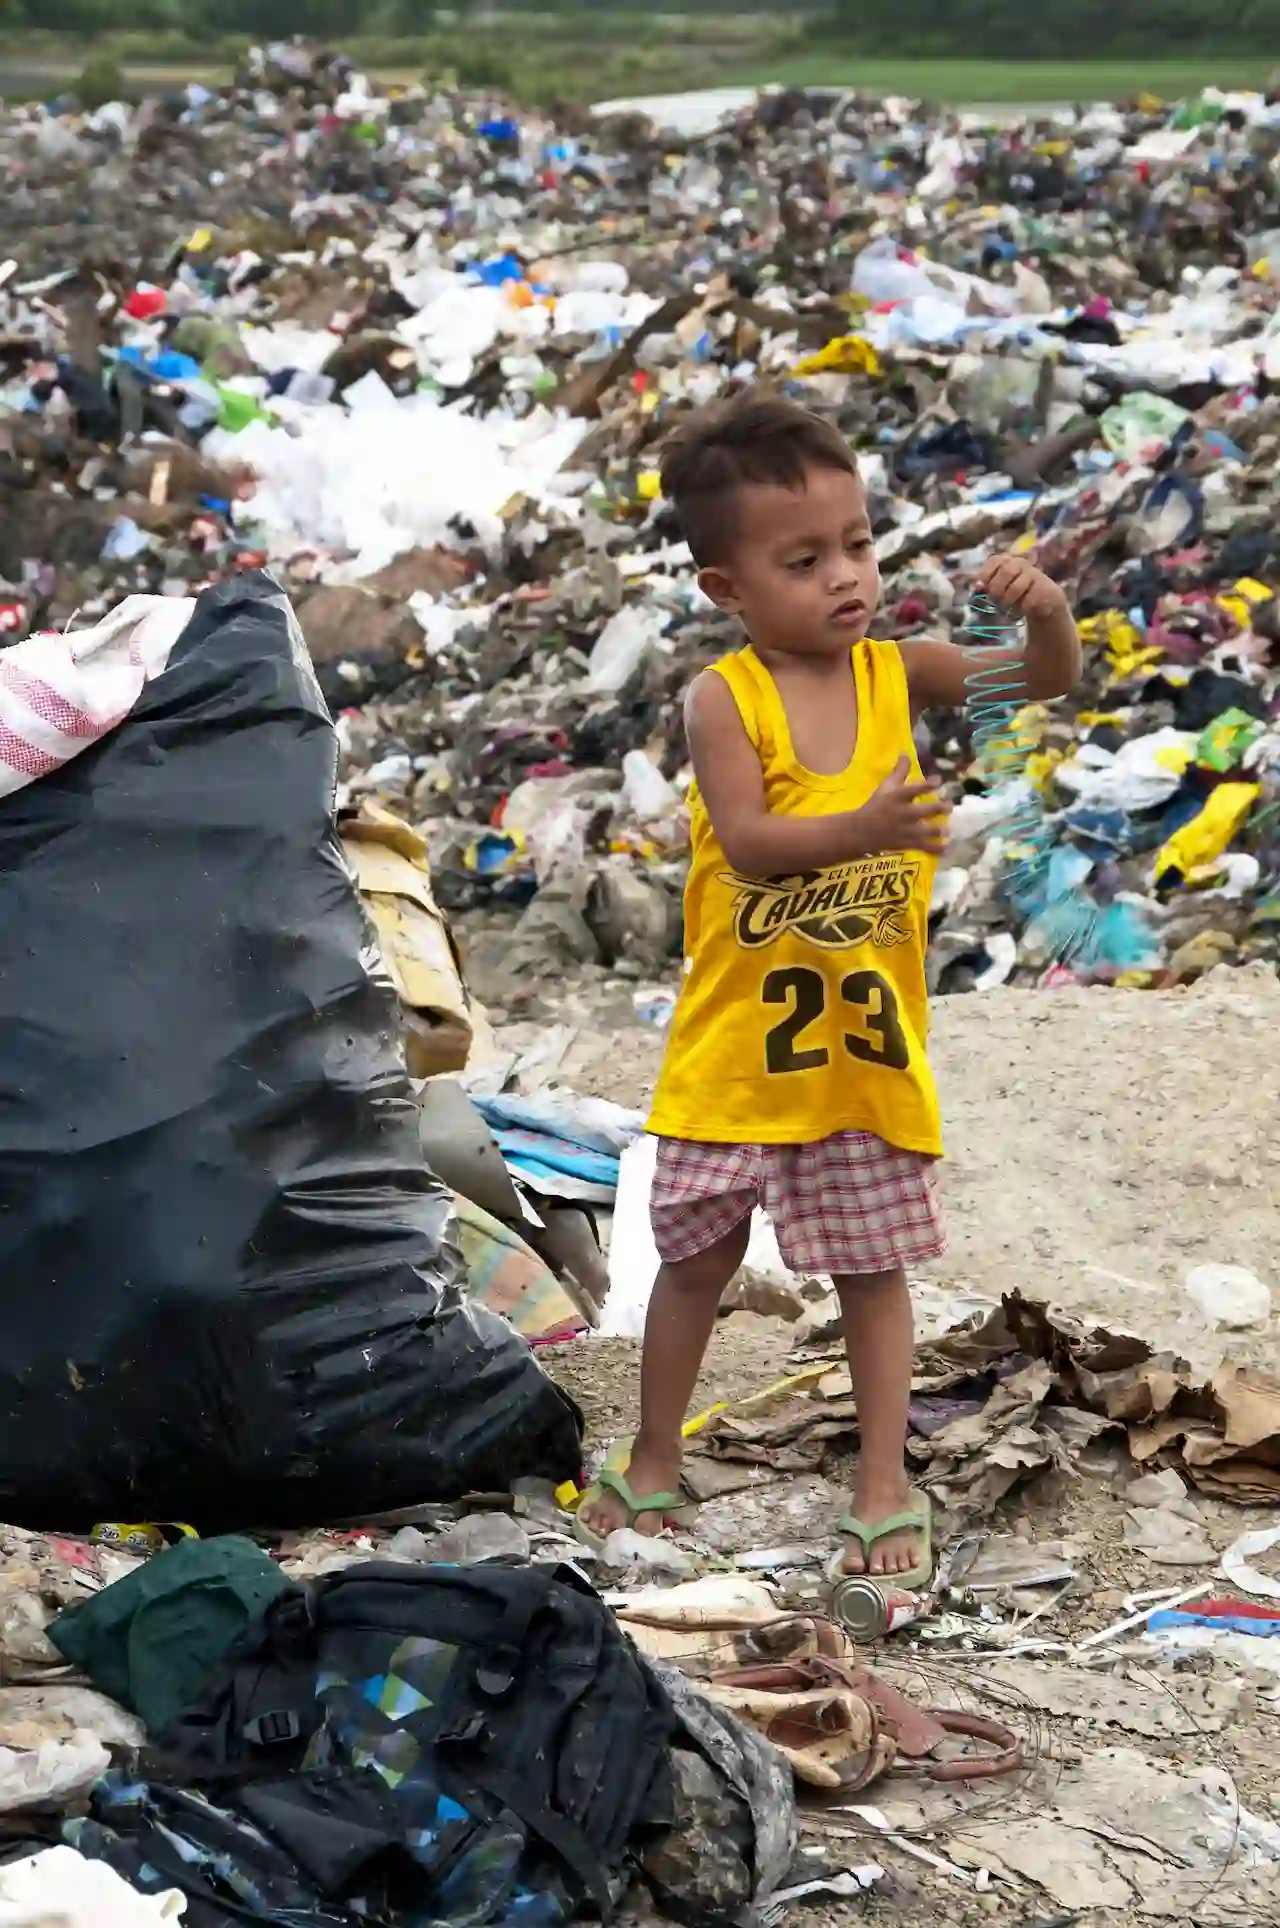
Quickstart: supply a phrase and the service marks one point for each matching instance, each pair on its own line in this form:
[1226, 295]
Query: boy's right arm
[900, 815]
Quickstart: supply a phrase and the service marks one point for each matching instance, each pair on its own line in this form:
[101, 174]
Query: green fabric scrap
[1223, 742]
[152, 1640]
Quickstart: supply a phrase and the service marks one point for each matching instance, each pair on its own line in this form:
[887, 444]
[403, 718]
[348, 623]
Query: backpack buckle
[269, 1730]
[496, 1676]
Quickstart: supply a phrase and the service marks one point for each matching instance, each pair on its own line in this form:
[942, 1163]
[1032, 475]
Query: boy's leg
[682, 1313]
[862, 1210]
[875, 1313]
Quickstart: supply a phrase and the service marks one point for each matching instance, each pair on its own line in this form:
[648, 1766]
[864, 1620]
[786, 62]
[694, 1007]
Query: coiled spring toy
[996, 694]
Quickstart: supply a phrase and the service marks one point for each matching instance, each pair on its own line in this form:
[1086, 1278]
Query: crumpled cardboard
[1020, 1390]
[1224, 1435]
[389, 860]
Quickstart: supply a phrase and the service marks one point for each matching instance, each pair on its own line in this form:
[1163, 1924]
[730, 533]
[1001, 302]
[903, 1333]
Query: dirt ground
[1086, 1516]
[1100, 1145]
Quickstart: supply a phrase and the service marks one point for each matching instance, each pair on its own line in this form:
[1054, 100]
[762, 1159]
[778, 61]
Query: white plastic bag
[880, 274]
[593, 277]
[442, 622]
[645, 790]
[1228, 1295]
[1236, 1565]
[552, 816]
[61, 1889]
[1144, 772]
[620, 648]
[51, 1774]
[378, 481]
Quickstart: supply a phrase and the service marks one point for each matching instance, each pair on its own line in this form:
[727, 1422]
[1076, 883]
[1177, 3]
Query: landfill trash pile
[1076, 1714]
[419, 351]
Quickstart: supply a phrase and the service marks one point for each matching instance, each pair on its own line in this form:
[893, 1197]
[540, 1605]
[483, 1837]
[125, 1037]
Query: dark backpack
[519, 1748]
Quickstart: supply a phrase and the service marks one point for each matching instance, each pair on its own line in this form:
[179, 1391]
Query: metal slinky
[996, 694]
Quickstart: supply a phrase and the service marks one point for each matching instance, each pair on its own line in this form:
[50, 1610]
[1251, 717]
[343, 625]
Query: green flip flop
[916, 1518]
[613, 1481]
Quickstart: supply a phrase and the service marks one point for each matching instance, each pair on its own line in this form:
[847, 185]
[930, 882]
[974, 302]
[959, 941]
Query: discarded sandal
[702, 1641]
[830, 1734]
[916, 1518]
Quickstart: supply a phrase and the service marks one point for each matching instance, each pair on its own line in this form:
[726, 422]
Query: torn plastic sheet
[1242, 1623]
[61, 693]
[845, 1886]
[1236, 1563]
[59, 1888]
[690, 115]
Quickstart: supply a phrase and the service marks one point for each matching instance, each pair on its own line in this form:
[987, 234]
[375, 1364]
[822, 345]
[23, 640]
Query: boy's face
[801, 572]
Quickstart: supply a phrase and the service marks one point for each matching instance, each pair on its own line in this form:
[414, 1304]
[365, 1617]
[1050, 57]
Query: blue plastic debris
[1244, 1622]
[164, 364]
[496, 273]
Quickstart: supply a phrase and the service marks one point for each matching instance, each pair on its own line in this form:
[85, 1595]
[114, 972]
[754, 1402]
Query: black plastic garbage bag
[228, 1292]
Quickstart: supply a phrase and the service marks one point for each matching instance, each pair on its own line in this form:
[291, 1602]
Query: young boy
[795, 1075]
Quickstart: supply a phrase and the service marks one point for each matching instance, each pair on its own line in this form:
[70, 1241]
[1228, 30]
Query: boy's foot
[646, 1474]
[898, 1552]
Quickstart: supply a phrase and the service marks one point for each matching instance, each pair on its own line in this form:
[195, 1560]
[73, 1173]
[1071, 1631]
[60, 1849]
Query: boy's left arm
[936, 671]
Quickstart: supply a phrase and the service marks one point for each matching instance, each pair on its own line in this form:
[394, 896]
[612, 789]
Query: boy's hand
[1022, 588]
[904, 816]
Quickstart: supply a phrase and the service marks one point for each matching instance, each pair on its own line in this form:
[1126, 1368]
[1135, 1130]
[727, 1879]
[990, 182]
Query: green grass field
[538, 57]
[1009, 81]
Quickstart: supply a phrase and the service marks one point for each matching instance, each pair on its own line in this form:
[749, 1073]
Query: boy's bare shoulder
[708, 696]
[714, 725]
[706, 679]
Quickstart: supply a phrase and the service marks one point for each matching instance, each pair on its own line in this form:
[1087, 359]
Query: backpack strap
[495, 1674]
[565, 1840]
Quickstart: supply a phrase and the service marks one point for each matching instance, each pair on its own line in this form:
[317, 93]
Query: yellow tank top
[803, 1011]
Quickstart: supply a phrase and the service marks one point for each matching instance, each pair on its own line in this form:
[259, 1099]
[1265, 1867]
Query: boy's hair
[752, 438]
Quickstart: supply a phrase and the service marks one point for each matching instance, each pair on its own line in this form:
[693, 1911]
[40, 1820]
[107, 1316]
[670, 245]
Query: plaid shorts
[845, 1205]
